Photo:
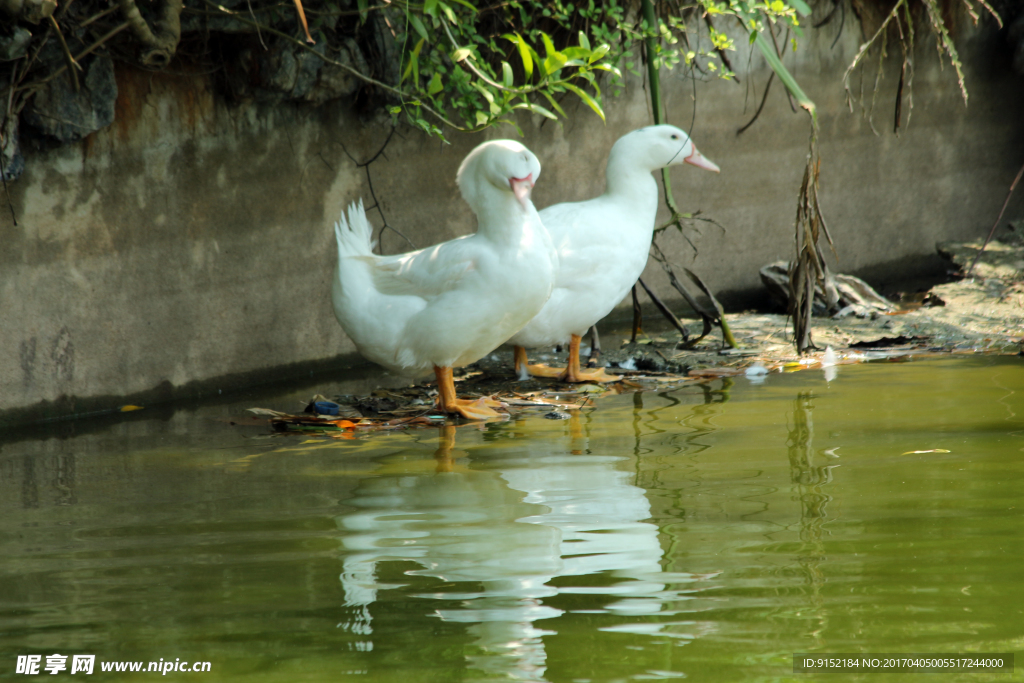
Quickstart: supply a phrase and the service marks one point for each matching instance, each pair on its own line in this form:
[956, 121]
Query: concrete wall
[188, 247]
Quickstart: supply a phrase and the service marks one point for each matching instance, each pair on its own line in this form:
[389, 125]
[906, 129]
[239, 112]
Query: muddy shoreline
[981, 314]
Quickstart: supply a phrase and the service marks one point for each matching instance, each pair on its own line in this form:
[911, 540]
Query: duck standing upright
[450, 304]
[602, 246]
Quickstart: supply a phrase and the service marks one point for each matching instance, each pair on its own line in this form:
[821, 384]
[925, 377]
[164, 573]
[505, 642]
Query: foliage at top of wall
[438, 65]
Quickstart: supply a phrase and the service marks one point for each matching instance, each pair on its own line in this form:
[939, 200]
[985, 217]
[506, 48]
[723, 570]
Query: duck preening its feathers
[450, 304]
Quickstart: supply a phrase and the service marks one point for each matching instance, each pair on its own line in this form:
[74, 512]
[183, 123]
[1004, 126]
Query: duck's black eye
[675, 137]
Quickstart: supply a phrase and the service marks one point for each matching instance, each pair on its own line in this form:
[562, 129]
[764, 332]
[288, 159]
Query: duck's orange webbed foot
[570, 373]
[598, 375]
[545, 371]
[472, 409]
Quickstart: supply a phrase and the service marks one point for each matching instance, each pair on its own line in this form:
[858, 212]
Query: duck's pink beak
[697, 159]
[521, 188]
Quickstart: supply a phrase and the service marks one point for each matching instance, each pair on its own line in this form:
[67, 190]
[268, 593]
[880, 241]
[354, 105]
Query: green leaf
[506, 75]
[584, 41]
[488, 95]
[552, 66]
[553, 60]
[414, 64]
[591, 102]
[448, 13]
[536, 109]
[608, 68]
[430, 7]
[800, 6]
[524, 54]
[768, 50]
[470, 6]
[513, 124]
[600, 52]
[481, 118]
[436, 85]
[461, 54]
[418, 26]
[549, 47]
[554, 104]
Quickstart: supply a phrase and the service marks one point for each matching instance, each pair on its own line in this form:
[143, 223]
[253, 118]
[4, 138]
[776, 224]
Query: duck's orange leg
[478, 409]
[573, 373]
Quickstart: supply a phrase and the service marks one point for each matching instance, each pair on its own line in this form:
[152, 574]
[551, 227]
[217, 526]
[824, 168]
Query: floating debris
[756, 373]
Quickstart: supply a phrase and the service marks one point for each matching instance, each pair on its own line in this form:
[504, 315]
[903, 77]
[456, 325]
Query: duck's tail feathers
[354, 235]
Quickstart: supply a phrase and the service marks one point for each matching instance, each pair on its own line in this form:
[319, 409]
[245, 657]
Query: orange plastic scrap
[283, 422]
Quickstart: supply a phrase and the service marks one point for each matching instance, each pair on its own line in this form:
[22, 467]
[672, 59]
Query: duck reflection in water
[523, 516]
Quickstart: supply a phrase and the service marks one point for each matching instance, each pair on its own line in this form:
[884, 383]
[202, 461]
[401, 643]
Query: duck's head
[502, 165]
[660, 146]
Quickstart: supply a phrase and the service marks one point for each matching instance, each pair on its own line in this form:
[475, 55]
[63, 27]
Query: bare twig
[1013, 186]
[863, 51]
[35, 85]
[365, 165]
[638, 317]
[595, 347]
[999, 20]
[841, 6]
[665, 310]
[707, 316]
[764, 99]
[72, 64]
[97, 17]
[253, 15]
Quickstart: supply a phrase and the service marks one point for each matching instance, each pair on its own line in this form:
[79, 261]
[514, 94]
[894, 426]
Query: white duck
[602, 246]
[450, 304]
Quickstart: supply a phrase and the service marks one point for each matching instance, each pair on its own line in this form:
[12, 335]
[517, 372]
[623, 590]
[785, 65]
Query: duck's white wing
[426, 273]
[578, 231]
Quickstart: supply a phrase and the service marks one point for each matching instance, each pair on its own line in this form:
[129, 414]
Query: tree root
[160, 43]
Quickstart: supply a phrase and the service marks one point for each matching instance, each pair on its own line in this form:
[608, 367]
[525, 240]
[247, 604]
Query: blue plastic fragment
[326, 408]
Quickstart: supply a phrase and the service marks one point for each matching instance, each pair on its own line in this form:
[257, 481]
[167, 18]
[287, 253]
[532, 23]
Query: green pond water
[707, 532]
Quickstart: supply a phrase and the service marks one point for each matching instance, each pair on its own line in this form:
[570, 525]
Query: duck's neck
[504, 220]
[629, 182]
